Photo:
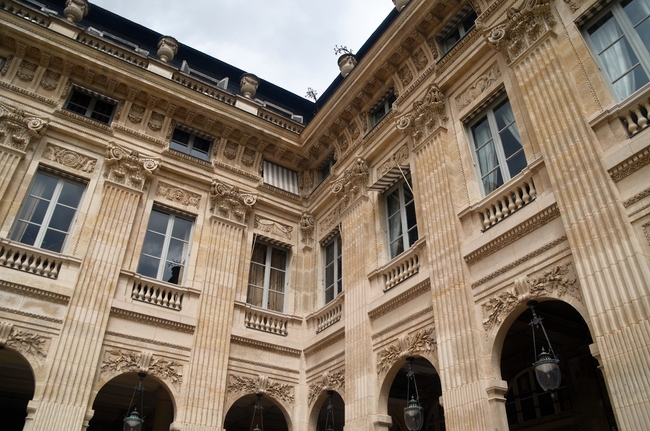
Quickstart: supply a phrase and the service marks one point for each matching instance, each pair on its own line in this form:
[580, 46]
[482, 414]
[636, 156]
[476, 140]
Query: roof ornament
[167, 48]
[76, 10]
[347, 60]
[248, 84]
[400, 4]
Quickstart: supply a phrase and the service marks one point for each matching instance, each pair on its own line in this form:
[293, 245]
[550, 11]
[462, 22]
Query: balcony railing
[401, 267]
[266, 321]
[330, 314]
[31, 260]
[157, 293]
[507, 202]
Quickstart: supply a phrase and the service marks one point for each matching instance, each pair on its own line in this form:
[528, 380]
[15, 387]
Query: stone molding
[538, 220]
[31, 315]
[151, 320]
[34, 292]
[128, 168]
[285, 351]
[428, 114]
[117, 361]
[419, 343]
[278, 192]
[148, 340]
[261, 385]
[69, 158]
[229, 202]
[636, 198]
[409, 319]
[326, 342]
[524, 26]
[178, 195]
[27, 343]
[415, 291]
[478, 87]
[630, 165]
[397, 158]
[272, 227]
[28, 93]
[307, 224]
[329, 382]
[265, 365]
[558, 282]
[18, 129]
[84, 121]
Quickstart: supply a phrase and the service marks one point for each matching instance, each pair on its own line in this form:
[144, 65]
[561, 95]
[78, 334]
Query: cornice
[151, 320]
[630, 165]
[218, 164]
[402, 298]
[32, 315]
[331, 339]
[285, 351]
[148, 341]
[28, 93]
[278, 192]
[636, 198]
[140, 135]
[86, 122]
[34, 292]
[264, 365]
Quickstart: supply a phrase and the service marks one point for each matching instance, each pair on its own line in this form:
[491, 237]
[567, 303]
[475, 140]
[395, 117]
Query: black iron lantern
[413, 416]
[134, 422]
[546, 366]
[258, 407]
[329, 426]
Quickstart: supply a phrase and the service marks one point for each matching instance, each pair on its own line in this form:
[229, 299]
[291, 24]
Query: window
[620, 40]
[325, 169]
[190, 143]
[166, 247]
[267, 278]
[382, 108]
[333, 269]
[497, 146]
[91, 105]
[400, 212]
[48, 213]
[280, 177]
[457, 28]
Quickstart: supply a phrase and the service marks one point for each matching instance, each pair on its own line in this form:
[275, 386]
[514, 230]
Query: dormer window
[191, 143]
[382, 107]
[457, 28]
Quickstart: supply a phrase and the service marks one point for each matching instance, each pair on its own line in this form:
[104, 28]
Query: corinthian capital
[352, 181]
[524, 25]
[427, 115]
[128, 167]
[17, 129]
[228, 202]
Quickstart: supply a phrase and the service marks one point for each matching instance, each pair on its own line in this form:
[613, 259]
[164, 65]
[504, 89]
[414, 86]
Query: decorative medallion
[50, 80]
[178, 195]
[69, 158]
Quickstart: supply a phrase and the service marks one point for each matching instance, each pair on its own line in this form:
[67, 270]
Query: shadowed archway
[240, 414]
[16, 389]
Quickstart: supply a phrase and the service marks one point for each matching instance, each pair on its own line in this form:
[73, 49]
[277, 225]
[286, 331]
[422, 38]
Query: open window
[382, 107]
[333, 274]
[400, 216]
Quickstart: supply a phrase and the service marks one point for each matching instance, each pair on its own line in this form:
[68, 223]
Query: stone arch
[245, 403]
[111, 399]
[17, 388]
[321, 402]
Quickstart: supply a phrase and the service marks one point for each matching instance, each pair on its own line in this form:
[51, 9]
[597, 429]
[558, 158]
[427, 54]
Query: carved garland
[25, 342]
[261, 385]
[118, 362]
[420, 343]
[329, 382]
[428, 115]
[557, 282]
[270, 226]
[228, 202]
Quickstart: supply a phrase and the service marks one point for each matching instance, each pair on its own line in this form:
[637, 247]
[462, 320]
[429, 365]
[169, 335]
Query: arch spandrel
[282, 394]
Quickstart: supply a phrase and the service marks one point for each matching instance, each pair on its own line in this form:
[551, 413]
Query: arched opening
[112, 403]
[581, 402]
[16, 389]
[240, 415]
[429, 389]
[337, 422]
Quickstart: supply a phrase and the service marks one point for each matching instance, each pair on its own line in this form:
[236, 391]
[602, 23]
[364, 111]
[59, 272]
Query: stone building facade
[226, 238]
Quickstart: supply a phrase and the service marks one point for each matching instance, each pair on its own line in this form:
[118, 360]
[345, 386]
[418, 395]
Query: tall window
[620, 40]
[457, 28]
[166, 247]
[190, 143]
[325, 169]
[333, 269]
[400, 212]
[91, 105]
[267, 278]
[497, 146]
[48, 213]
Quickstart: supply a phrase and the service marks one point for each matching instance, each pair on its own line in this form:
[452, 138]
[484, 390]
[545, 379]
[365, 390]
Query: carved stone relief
[5, 68]
[420, 59]
[646, 231]
[307, 223]
[405, 75]
[248, 157]
[270, 226]
[156, 121]
[127, 167]
[330, 382]
[26, 71]
[118, 362]
[419, 343]
[427, 115]
[352, 182]
[560, 281]
[136, 114]
[25, 342]
[228, 202]
[479, 86]
[50, 80]
[178, 195]
[261, 385]
[230, 150]
[69, 158]
[397, 158]
[18, 130]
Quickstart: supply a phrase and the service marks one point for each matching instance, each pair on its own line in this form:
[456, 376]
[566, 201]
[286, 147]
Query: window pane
[25, 233]
[102, 111]
[71, 194]
[256, 275]
[492, 181]
[279, 259]
[644, 33]
[153, 244]
[545, 402]
[329, 275]
[393, 203]
[177, 251]
[481, 133]
[148, 266]
[528, 409]
[329, 294]
[172, 272]
[517, 163]
[178, 146]
[604, 32]
[510, 140]
[394, 227]
[503, 115]
[79, 102]
[276, 301]
[53, 240]
[181, 136]
[62, 218]
[487, 158]
[182, 229]
[636, 10]
[396, 248]
[43, 186]
[413, 235]
[410, 215]
[259, 254]
[158, 222]
[276, 281]
[255, 295]
[34, 210]
[631, 82]
[202, 145]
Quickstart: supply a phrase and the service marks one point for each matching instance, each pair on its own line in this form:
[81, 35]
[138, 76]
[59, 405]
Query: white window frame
[402, 214]
[90, 109]
[164, 252]
[630, 34]
[189, 147]
[44, 225]
[488, 113]
[336, 283]
[266, 288]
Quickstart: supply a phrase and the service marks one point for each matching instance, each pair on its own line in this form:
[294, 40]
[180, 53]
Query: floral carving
[136, 114]
[50, 80]
[275, 228]
[17, 130]
[228, 202]
[230, 150]
[419, 343]
[69, 158]
[330, 381]
[397, 158]
[478, 87]
[26, 71]
[307, 223]
[525, 25]
[128, 167]
[118, 362]
[178, 195]
[26, 342]
[248, 158]
[261, 385]
[405, 75]
[427, 115]
[557, 282]
[156, 121]
[353, 181]
[419, 59]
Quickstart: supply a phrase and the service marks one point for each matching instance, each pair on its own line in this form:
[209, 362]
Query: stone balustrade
[266, 321]
[31, 260]
[157, 293]
[635, 115]
[403, 266]
[508, 201]
[330, 314]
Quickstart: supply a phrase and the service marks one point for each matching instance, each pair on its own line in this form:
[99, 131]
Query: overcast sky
[287, 42]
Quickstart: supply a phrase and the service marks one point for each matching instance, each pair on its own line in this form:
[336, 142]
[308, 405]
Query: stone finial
[400, 4]
[248, 84]
[167, 48]
[346, 63]
[76, 10]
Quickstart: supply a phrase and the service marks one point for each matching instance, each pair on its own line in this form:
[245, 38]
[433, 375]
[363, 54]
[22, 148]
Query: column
[221, 257]
[613, 273]
[76, 354]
